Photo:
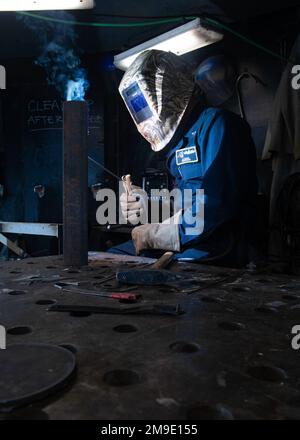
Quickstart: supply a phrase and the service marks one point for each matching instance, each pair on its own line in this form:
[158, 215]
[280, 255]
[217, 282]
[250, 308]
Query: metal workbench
[228, 357]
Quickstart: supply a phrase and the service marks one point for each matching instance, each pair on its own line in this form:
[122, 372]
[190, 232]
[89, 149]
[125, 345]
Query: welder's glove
[133, 205]
[164, 236]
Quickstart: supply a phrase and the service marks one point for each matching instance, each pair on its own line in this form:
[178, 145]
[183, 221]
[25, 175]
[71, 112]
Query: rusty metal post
[75, 183]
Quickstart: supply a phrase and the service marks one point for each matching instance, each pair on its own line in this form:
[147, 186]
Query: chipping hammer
[155, 275]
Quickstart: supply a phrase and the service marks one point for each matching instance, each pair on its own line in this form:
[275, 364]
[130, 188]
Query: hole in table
[231, 326]
[120, 378]
[166, 289]
[20, 330]
[17, 292]
[266, 310]
[125, 328]
[208, 412]
[209, 299]
[69, 347]
[240, 289]
[267, 373]
[184, 347]
[46, 302]
[80, 314]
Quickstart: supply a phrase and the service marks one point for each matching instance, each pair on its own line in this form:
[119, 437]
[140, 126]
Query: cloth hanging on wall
[282, 145]
[283, 136]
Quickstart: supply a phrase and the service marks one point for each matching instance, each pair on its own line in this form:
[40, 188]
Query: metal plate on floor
[29, 372]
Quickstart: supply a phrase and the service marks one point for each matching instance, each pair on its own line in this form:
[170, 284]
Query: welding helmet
[216, 78]
[157, 89]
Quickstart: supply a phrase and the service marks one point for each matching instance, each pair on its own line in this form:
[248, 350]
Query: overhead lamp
[183, 39]
[44, 5]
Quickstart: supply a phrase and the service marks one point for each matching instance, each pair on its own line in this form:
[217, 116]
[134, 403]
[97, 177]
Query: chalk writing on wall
[46, 114]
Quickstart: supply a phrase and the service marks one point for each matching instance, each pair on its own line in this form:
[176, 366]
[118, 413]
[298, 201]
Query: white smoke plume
[59, 55]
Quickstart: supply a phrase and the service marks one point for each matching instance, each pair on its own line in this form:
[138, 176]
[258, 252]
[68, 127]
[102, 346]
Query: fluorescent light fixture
[181, 40]
[44, 5]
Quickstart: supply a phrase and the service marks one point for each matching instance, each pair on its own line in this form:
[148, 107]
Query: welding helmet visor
[157, 89]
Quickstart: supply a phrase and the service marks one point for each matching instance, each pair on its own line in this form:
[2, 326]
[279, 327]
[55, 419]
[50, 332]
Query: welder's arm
[227, 155]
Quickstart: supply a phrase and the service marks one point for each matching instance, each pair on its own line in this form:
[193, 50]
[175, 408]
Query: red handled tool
[112, 295]
[121, 296]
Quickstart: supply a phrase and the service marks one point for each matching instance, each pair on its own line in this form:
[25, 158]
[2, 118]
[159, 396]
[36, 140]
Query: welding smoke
[59, 55]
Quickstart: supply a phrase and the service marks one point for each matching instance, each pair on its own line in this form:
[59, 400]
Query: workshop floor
[228, 356]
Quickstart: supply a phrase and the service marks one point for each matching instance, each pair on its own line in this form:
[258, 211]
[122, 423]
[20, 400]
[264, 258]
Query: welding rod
[104, 168]
[125, 179]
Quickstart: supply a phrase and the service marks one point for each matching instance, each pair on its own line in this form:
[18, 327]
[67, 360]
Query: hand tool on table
[175, 280]
[153, 276]
[158, 309]
[185, 283]
[163, 261]
[121, 296]
[165, 278]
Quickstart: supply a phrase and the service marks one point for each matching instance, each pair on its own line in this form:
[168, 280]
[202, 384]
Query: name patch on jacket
[186, 155]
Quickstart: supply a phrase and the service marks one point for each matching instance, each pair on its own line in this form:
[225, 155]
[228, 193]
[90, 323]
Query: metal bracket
[12, 246]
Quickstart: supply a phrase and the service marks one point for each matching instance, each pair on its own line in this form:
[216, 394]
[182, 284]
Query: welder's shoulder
[230, 131]
[226, 117]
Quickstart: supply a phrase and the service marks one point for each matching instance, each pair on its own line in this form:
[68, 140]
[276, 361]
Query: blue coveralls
[215, 154]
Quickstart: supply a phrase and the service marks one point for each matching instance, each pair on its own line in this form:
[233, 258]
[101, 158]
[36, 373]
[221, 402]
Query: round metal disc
[32, 371]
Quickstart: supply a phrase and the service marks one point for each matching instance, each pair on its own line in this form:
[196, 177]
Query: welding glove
[164, 236]
[133, 205]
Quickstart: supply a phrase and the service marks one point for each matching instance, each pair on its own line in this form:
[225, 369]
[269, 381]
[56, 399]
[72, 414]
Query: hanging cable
[156, 22]
[106, 25]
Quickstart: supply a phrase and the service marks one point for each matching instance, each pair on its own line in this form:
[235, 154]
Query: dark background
[31, 135]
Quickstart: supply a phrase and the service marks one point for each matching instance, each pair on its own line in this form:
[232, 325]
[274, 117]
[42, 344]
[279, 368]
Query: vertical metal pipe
[75, 183]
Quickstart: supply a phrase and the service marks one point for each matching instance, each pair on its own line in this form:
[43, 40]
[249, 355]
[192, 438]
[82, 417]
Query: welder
[207, 149]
